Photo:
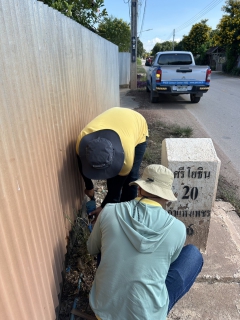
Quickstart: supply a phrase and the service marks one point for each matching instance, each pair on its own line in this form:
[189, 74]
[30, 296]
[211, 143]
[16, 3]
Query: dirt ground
[80, 267]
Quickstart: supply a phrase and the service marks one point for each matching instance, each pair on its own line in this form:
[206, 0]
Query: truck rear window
[175, 59]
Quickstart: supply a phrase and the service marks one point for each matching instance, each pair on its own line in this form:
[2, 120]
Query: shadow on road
[165, 101]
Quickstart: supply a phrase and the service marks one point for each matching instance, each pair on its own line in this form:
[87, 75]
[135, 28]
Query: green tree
[156, 48]
[164, 46]
[147, 54]
[212, 36]
[167, 45]
[198, 38]
[140, 49]
[117, 31]
[86, 12]
[179, 46]
[228, 32]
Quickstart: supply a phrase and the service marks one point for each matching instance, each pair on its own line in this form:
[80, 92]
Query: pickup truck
[175, 73]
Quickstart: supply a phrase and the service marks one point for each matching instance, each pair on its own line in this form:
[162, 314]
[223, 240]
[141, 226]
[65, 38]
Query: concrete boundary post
[196, 167]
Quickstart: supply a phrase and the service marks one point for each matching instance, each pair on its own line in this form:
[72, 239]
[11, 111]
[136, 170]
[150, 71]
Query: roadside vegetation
[158, 131]
[228, 193]
[87, 13]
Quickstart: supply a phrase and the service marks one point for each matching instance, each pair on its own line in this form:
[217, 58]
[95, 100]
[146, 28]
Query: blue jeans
[182, 273]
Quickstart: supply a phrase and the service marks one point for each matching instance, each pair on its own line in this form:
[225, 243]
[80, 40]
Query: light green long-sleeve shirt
[137, 244]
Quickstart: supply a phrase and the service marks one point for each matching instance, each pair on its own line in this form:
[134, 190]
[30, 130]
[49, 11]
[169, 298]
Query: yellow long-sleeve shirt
[131, 127]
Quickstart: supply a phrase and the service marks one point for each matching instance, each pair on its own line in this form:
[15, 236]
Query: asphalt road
[218, 112]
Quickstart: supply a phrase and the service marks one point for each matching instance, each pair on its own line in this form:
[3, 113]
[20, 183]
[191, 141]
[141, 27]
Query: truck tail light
[208, 75]
[158, 75]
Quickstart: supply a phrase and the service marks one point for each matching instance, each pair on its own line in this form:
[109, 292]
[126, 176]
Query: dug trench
[163, 122]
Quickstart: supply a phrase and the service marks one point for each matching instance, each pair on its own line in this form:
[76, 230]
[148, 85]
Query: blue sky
[163, 16]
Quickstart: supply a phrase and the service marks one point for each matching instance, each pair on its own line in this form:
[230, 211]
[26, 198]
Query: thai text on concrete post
[196, 167]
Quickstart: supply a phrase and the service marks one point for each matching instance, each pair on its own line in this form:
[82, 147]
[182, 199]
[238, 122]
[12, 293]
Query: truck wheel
[194, 99]
[153, 98]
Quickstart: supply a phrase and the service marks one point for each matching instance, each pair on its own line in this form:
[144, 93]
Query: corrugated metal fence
[124, 69]
[54, 79]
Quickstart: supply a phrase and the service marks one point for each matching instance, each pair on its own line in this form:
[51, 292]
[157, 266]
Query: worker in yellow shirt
[111, 147]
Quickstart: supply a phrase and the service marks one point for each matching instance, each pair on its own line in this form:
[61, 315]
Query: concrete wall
[124, 69]
[54, 80]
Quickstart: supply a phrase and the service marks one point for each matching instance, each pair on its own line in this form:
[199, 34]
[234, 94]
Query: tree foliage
[212, 38]
[86, 12]
[228, 32]
[164, 46]
[140, 49]
[179, 46]
[117, 31]
[198, 38]
[229, 26]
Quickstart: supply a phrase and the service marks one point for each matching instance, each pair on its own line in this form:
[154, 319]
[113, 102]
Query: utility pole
[173, 39]
[133, 66]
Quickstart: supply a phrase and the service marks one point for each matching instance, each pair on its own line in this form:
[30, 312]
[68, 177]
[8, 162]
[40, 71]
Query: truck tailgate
[183, 74]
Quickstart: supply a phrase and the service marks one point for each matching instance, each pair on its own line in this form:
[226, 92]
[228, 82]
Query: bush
[201, 60]
[224, 67]
[139, 61]
[235, 71]
[231, 60]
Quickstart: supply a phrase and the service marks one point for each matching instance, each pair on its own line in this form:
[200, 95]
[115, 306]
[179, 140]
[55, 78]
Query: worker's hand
[89, 193]
[94, 215]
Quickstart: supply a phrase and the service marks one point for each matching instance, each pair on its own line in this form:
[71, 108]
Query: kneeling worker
[145, 267]
[111, 147]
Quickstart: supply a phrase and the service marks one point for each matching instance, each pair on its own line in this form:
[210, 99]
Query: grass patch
[158, 131]
[227, 193]
[139, 61]
[182, 132]
[140, 69]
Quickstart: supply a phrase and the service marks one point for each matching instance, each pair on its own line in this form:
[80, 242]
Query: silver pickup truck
[175, 73]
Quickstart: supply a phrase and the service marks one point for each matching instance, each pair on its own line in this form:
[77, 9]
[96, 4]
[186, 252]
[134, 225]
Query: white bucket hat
[157, 180]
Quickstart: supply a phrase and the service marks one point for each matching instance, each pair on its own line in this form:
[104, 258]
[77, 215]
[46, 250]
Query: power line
[195, 18]
[139, 12]
[129, 9]
[203, 12]
[144, 11]
[169, 37]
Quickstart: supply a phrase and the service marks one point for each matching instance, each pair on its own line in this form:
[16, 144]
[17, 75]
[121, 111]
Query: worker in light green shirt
[145, 267]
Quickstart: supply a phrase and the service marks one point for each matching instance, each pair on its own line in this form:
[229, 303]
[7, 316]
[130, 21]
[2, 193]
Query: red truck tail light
[158, 75]
[208, 75]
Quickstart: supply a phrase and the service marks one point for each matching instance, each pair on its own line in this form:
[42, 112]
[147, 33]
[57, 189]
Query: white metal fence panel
[124, 69]
[55, 77]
